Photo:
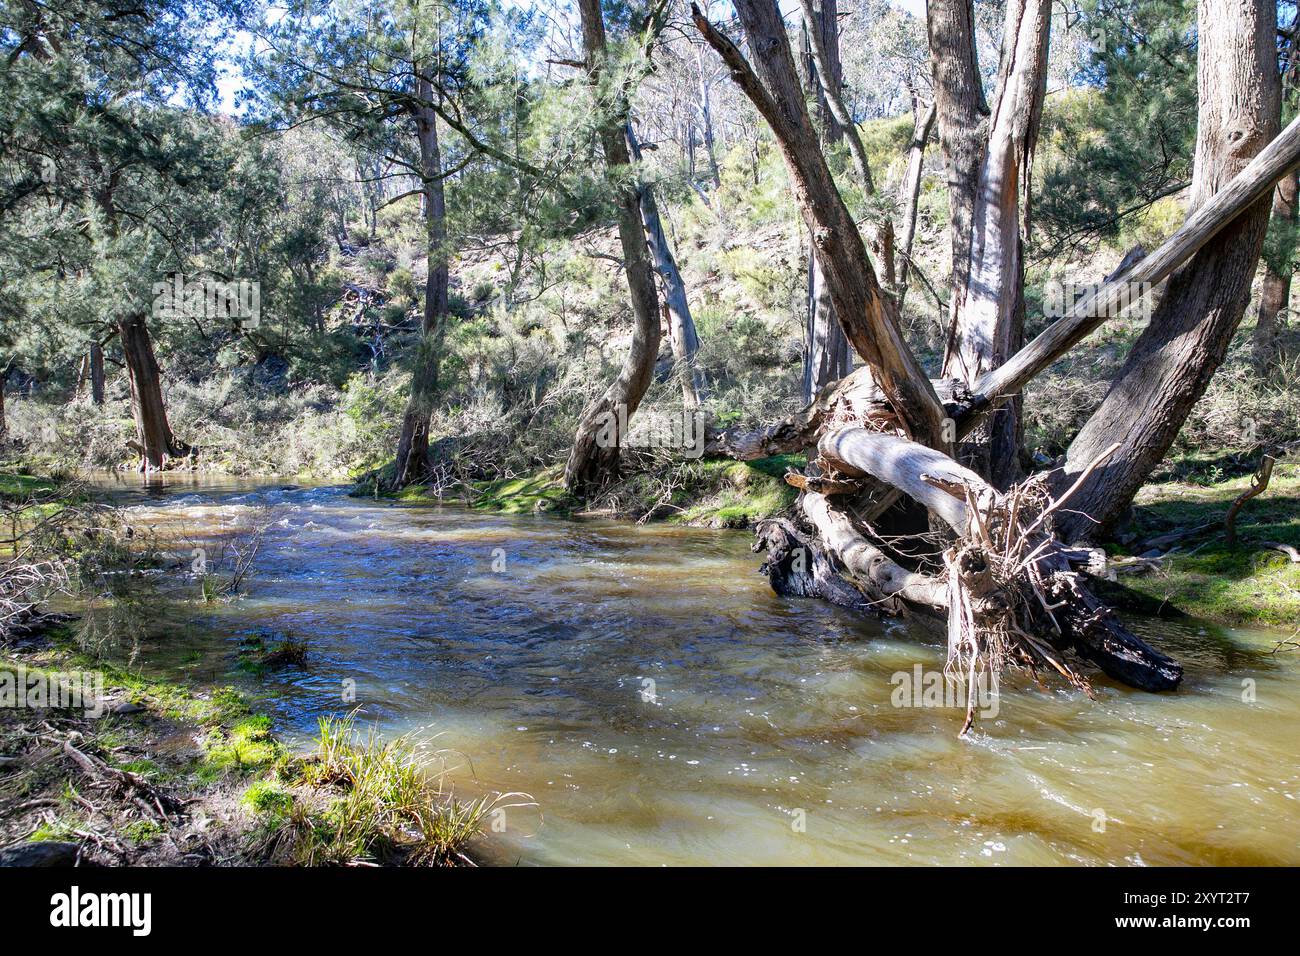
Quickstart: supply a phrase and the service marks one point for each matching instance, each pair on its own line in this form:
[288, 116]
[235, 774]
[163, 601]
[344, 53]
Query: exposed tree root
[1009, 590]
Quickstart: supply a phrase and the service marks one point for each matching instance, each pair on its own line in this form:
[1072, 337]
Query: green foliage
[1125, 137]
[383, 805]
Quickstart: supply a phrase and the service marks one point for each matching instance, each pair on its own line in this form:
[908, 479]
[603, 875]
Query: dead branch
[1258, 484]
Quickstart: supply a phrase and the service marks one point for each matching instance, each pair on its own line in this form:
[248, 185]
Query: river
[663, 706]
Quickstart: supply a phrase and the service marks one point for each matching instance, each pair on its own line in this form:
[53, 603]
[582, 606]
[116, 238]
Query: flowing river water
[663, 706]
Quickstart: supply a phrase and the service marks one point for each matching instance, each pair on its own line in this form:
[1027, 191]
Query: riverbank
[705, 493]
[1245, 583]
[100, 766]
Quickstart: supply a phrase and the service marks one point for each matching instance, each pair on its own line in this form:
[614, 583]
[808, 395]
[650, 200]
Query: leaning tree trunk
[1172, 362]
[411, 463]
[987, 318]
[1275, 288]
[924, 122]
[864, 312]
[593, 462]
[682, 335]
[827, 357]
[157, 444]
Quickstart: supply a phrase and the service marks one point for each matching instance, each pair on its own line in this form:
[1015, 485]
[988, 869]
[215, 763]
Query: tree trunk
[1275, 288]
[924, 122]
[863, 311]
[96, 373]
[682, 335]
[826, 350]
[988, 304]
[706, 124]
[594, 459]
[157, 443]
[827, 356]
[411, 463]
[959, 99]
[1173, 360]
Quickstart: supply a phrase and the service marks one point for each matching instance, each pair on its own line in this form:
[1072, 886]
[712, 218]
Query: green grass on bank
[353, 798]
[735, 494]
[1241, 584]
[532, 494]
[709, 492]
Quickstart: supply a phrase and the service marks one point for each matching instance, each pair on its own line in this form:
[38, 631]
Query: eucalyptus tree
[883, 432]
[408, 80]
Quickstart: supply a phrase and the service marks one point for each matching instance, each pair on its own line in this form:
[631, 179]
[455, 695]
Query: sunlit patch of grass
[730, 494]
[1239, 584]
[382, 805]
[542, 492]
[268, 797]
[247, 746]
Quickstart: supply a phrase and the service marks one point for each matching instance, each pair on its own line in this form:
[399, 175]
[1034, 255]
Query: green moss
[246, 747]
[542, 492]
[141, 831]
[57, 831]
[1241, 584]
[268, 798]
[732, 494]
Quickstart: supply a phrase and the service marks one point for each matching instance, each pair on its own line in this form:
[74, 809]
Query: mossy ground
[245, 798]
[1239, 584]
[713, 492]
[531, 494]
[735, 494]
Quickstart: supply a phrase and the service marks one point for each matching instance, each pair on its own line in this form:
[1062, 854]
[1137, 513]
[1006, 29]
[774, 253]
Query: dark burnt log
[798, 566]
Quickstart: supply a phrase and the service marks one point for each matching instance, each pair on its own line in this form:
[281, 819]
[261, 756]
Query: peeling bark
[987, 310]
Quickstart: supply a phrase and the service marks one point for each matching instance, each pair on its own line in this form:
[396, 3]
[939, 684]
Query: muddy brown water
[663, 706]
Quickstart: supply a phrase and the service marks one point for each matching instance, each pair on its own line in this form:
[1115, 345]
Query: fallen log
[1007, 537]
[883, 580]
[797, 566]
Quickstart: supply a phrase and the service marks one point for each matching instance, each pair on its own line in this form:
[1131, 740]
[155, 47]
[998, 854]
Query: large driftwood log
[1066, 609]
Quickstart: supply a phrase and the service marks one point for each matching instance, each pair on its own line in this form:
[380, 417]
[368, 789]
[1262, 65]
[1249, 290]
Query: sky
[231, 80]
